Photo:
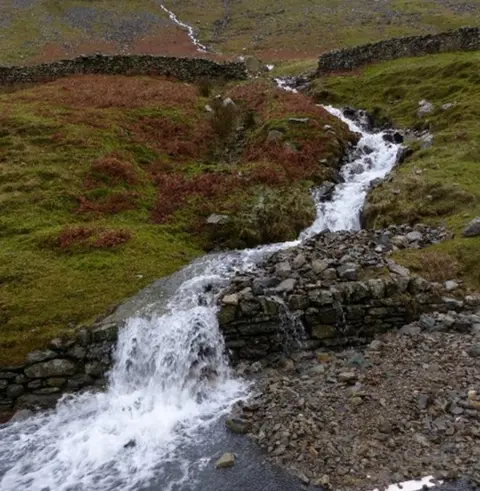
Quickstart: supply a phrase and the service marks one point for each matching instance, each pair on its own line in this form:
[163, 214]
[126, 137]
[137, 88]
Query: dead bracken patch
[88, 238]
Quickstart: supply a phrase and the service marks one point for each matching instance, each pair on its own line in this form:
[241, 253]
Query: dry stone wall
[464, 39]
[67, 365]
[187, 69]
[336, 289]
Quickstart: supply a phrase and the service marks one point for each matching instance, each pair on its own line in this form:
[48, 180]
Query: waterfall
[170, 380]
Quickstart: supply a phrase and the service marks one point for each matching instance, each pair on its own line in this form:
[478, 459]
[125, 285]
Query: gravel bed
[406, 406]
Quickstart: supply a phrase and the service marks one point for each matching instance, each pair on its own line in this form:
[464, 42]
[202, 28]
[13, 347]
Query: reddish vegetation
[111, 238]
[71, 237]
[111, 169]
[176, 139]
[102, 91]
[115, 202]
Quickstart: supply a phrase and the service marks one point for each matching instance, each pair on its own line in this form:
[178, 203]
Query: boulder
[473, 228]
[216, 219]
[40, 355]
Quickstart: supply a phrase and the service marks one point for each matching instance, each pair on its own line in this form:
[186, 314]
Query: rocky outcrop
[188, 69]
[67, 365]
[336, 288]
[464, 39]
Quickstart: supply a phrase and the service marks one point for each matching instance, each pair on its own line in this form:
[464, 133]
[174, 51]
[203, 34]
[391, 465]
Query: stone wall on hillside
[67, 365]
[187, 69]
[464, 39]
[335, 289]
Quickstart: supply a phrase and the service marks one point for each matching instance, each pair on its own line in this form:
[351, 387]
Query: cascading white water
[186, 27]
[170, 380]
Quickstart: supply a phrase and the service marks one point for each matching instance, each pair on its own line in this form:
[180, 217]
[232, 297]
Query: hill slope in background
[39, 30]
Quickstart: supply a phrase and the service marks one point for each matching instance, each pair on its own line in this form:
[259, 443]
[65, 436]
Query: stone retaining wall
[65, 366]
[336, 289]
[187, 69]
[464, 39]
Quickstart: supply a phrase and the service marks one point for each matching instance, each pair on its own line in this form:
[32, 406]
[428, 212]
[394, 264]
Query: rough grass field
[106, 184]
[46, 29]
[438, 184]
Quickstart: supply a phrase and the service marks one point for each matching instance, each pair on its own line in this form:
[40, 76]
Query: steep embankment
[108, 183]
[439, 183]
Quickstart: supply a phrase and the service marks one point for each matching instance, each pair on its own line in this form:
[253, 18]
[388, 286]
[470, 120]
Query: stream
[158, 426]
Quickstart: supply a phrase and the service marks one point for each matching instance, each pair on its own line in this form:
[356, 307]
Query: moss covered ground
[438, 184]
[106, 184]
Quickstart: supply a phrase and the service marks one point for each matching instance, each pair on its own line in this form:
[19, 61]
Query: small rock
[414, 236]
[238, 426]
[425, 107]
[274, 136]
[348, 271]
[215, 219]
[451, 285]
[348, 377]
[286, 286]
[225, 461]
[319, 266]
[298, 120]
[474, 351]
[230, 299]
[473, 228]
[397, 269]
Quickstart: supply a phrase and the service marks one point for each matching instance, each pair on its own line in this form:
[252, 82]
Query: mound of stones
[404, 407]
[334, 289]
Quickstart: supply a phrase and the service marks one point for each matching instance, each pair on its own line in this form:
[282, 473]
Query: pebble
[225, 461]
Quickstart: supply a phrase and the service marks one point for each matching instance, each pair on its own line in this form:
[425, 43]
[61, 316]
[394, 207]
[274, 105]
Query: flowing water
[162, 397]
[186, 27]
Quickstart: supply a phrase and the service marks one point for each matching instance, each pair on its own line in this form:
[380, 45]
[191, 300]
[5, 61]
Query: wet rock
[232, 299]
[238, 426]
[227, 460]
[325, 191]
[21, 415]
[319, 266]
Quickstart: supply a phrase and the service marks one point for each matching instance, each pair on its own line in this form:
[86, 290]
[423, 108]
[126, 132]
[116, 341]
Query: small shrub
[72, 236]
[224, 118]
[111, 170]
[111, 204]
[86, 238]
[438, 266]
[111, 238]
[205, 86]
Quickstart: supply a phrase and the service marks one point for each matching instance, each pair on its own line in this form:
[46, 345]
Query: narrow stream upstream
[140, 432]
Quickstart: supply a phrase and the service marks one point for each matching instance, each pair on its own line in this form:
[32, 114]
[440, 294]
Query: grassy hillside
[45, 29]
[106, 184]
[438, 184]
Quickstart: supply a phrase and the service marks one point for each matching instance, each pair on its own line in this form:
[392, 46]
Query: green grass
[438, 185]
